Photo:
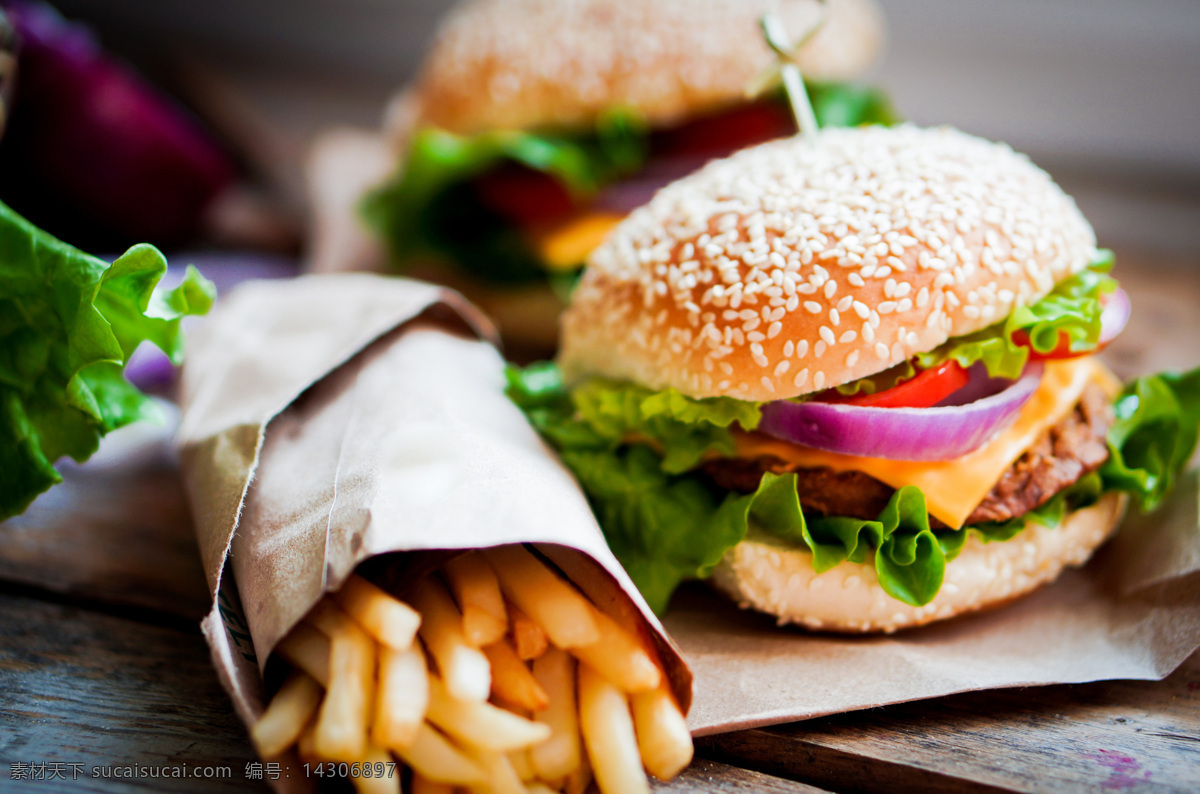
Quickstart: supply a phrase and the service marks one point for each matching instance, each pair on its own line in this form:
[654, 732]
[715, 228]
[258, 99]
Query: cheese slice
[567, 246]
[954, 488]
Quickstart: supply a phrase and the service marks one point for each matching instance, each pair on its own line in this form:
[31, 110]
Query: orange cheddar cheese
[953, 488]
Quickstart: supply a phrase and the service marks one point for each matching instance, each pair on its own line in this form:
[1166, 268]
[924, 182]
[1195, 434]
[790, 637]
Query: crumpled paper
[333, 419]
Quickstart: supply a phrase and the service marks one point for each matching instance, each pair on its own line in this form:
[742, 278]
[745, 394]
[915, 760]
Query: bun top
[792, 267]
[521, 64]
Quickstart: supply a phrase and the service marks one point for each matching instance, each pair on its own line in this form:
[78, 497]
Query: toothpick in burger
[535, 126]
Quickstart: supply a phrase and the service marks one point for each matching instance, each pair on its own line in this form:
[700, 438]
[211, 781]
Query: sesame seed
[847, 337]
[782, 367]
[801, 378]
[826, 334]
[881, 350]
[819, 381]
[819, 348]
[745, 240]
[802, 348]
[852, 359]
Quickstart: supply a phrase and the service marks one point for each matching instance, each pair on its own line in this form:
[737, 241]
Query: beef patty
[1064, 453]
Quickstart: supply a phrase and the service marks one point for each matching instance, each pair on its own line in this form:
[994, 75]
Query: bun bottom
[780, 580]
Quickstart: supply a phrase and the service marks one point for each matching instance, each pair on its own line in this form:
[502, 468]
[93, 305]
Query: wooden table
[102, 664]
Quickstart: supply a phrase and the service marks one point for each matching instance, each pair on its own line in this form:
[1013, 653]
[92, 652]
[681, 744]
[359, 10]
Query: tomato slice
[725, 132]
[523, 196]
[927, 388]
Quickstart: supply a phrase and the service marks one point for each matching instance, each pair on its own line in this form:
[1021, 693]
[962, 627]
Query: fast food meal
[436, 685]
[536, 126]
[852, 378]
[373, 511]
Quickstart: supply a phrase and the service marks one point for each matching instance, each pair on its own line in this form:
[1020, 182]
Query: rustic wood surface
[101, 662]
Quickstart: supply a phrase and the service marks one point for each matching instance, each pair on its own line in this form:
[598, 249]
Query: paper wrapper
[332, 419]
[1133, 612]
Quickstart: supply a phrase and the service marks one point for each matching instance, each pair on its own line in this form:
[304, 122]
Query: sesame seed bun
[780, 580]
[793, 267]
[520, 64]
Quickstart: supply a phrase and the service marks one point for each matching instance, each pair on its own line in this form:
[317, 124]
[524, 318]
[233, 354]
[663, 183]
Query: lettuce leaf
[666, 526]
[427, 209]
[1072, 308]
[1154, 435]
[68, 324]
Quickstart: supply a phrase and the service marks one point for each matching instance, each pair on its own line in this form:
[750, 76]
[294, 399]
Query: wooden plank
[116, 530]
[1131, 735]
[713, 777]
[80, 687]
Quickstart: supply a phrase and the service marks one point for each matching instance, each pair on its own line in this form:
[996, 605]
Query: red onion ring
[939, 433]
[1114, 316]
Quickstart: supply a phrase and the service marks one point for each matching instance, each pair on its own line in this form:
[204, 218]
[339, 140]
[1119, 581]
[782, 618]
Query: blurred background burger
[535, 126]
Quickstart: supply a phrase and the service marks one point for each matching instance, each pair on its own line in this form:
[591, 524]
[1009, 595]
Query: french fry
[481, 724]
[432, 756]
[559, 755]
[344, 716]
[564, 614]
[528, 637]
[502, 777]
[580, 779]
[327, 618]
[306, 745]
[377, 784]
[475, 588]
[619, 657]
[389, 620]
[402, 696]
[512, 683]
[464, 668]
[423, 785]
[308, 649]
[288, 713]
[522, 765]
[539, 788]
[662, 733]
[608, 735]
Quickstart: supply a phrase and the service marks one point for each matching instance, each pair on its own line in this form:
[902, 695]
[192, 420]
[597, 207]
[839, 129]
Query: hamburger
[535, 126]
[854, 381]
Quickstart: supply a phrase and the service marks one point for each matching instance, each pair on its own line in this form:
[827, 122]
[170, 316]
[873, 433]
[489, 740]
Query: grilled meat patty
[1067, 451]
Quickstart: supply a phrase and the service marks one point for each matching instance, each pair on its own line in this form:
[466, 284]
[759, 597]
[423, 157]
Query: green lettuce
[1072, 308]
[1154, 435]
[68, 324]
[666, 525]
[428, 210]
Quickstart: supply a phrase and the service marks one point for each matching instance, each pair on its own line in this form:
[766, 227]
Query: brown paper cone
[333, 419]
